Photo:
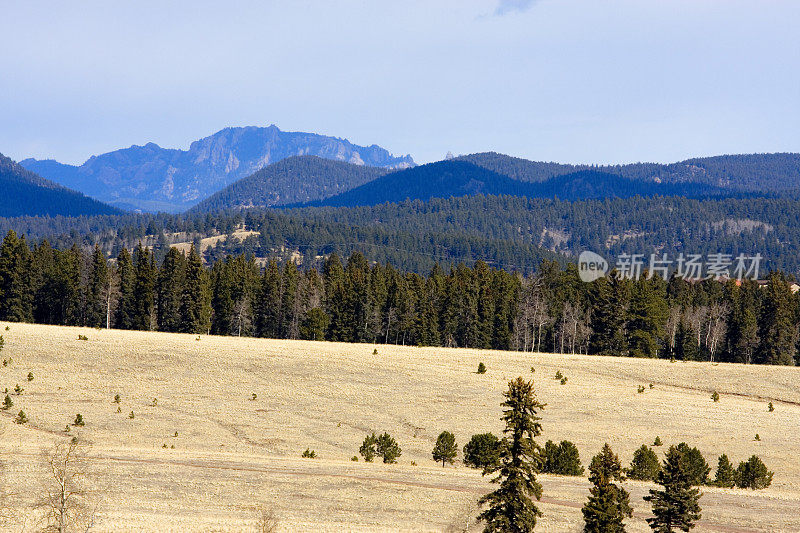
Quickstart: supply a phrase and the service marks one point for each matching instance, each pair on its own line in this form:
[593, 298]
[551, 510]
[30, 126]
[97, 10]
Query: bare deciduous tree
[65, 499]
[267, 521]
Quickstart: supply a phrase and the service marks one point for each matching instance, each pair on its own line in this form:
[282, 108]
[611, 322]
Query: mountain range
[265, 167]
[27, 194]
[152, 178]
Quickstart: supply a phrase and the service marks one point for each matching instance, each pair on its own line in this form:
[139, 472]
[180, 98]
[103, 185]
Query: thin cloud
[506, 7]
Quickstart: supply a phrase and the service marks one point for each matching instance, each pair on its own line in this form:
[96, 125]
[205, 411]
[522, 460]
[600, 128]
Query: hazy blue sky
[563, 80]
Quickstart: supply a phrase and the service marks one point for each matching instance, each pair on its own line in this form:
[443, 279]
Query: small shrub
[164, 445]
[155, 403]
[309, 454]
[651, 386]
[198, 338]
[67, 429]
[758, 437]
[657, 442]
[387, 447]
[254, 397]
[83, 338]
[413, 463]
[533, 370]
[715, 396]
[564, 380]
[445, 449]
[117, 398]
[79, 420]
[173, 446]
[354, 458]
[2, 343]
[375, 351]
[562, 459]
[645, 465]
[753, 474]
[131, 416]
[7, 403]
[482, 451]
[559, 375]
[8, 328]
[119, 409]
[725, 476]
[640, 389]
[176, 435]
[770, 407]
[481, 368]
[30, 376]
[5, 362]
[21, 418]
[18, 390]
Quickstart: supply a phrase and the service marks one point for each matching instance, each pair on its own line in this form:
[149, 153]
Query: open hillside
[27, 194]
[233, 454]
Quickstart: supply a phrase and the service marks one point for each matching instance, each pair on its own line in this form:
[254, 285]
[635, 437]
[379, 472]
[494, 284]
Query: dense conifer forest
[356, 300]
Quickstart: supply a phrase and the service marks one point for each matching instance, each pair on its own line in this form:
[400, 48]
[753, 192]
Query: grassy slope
[233, 454]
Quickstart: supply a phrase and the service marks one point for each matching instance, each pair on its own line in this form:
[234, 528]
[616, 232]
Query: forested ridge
[359, 301]
[507, 232]
[745, 172]
[25, 193]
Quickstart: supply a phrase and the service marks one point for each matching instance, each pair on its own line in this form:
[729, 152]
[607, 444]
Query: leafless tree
[673, 321]
[66, 499]
[267, 521]
[716, 325]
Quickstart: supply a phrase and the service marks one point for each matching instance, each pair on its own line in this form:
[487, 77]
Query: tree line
[354, 300]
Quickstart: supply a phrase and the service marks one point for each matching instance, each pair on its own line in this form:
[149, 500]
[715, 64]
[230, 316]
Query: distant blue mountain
[26, 194]
[151, 178]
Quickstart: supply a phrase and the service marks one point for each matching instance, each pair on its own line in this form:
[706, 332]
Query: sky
[579, 81]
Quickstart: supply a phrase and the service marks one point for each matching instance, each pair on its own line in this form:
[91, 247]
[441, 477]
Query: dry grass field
[233, 455]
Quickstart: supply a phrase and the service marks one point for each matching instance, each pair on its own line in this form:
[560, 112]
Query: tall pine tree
[609, 504]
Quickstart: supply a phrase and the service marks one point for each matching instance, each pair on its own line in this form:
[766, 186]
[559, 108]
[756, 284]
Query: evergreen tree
[340, 327]
[290, 312]
[510, 506]
[143, 289]
[359, 301]
[695, 464]
[778, 328]
[742, 339]
[169, 291]
[124, 317]
[753, 474]
[675, 507]
[98, 290]
[445, 449]
[195, 308]
[16, 295]
[562, 459]
[647, 317]
[644, 465]
[387, 447]
[483, 451]
[725, 476]
[268, 306]
[686, 347]
[608, 504]
[609, 312]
